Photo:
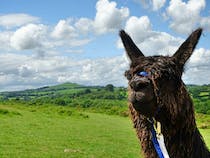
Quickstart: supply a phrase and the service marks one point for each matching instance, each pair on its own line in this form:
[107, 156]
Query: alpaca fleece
[164, 96]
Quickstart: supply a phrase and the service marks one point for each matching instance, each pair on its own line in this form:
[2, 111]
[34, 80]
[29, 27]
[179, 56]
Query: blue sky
[51, 42]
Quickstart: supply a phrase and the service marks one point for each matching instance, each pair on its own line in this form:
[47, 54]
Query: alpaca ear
[186, 49]
[130, 47]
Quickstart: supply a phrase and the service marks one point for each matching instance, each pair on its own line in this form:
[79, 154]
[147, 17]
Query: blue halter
[154, 140]
[143, 73]
[154, 137]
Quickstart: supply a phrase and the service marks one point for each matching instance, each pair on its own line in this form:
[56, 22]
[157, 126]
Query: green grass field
[59, 132]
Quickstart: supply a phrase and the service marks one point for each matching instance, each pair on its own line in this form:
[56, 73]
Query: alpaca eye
[143, 73]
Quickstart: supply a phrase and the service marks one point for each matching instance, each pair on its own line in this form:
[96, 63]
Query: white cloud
[41, 38]
[197, 75]
[154, 4]
[9, 62]
[205, 23]
[47, 66]
[69, 33]
[197, 69]
[15, 20]
[5, 40]
[150, 42]
[98, 72]
[84, 25]
[185, 16]
[200, 57]
[108, 16]
[26, 71]
[28, 37]
[79, 42]
[160, 43]
[64, 30]
[157, 4]
[139, 28]
[23, 71]
[144, 3]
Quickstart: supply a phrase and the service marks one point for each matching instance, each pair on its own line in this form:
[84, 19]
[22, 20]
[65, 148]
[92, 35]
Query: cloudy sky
[45, 42]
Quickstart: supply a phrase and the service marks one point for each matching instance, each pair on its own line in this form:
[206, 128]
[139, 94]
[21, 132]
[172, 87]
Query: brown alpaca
[162, 94]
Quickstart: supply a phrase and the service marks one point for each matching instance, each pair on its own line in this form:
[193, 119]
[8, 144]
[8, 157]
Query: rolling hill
[109, 98]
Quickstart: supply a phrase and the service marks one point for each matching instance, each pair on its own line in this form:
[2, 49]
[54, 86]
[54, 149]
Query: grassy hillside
[108, 99]
[57, 121]
[201, 98]
[58, 131]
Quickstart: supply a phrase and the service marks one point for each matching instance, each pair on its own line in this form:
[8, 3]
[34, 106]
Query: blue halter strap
[154, 140]
[154, 137]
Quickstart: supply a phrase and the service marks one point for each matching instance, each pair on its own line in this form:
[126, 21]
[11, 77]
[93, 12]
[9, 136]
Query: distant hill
[200, 92]
[201, 97]
[108, 99]
[95, 97]
[70, 89]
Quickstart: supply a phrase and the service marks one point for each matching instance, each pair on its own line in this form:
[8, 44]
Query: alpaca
[156, 90]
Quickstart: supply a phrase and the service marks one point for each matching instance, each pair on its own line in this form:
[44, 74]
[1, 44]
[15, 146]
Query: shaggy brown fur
[163, 95]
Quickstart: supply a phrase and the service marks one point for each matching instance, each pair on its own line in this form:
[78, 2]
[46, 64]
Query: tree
[87, 91]
[109, 87]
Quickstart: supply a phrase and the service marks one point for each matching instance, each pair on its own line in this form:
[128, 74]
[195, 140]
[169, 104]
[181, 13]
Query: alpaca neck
[185, 144]
[178, 127]
[181, 135]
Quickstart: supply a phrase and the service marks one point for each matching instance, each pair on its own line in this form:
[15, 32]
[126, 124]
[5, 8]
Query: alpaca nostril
[138, 85]
[142, 85]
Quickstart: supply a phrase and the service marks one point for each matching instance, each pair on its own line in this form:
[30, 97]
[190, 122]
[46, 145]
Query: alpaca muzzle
[139, 83]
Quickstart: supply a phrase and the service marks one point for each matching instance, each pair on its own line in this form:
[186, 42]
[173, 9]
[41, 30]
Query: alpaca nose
[139, 83]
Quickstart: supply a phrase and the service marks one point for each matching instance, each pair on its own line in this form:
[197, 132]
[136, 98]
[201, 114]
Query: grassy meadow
[55, 131]
[75, 121]
[58, 131]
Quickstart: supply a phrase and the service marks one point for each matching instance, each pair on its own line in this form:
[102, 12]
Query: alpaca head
[150, 76]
